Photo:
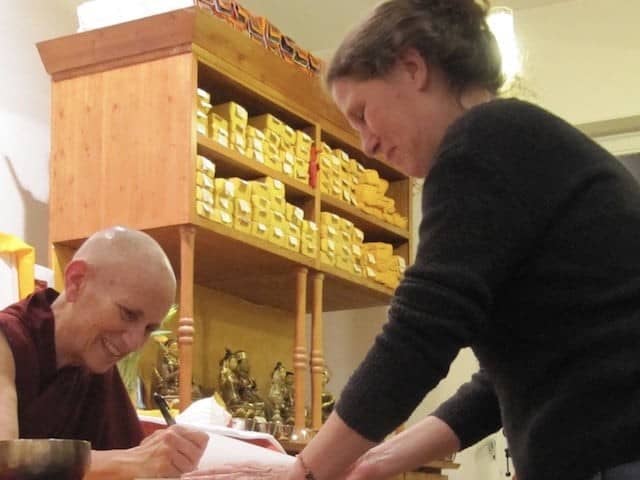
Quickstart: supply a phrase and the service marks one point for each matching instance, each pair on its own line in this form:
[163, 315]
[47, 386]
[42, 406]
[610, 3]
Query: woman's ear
[415, 67]
[74, 278]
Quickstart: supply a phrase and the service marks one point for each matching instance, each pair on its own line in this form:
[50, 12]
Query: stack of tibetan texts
[342, 245]
[346, 179]
[262, 138]
[258, 208]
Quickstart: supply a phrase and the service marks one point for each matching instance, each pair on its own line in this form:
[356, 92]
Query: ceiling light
[500, 21]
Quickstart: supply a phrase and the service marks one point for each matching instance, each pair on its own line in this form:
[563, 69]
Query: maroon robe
[66, 403]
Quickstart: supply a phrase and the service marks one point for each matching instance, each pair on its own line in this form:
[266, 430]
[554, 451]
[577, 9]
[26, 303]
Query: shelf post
[300, 358]
[185, 324]
[317, 356]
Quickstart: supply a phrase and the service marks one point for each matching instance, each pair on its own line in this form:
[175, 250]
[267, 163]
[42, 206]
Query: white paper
[223, 450]
[205, 411]
[258, 441]
[261, 440]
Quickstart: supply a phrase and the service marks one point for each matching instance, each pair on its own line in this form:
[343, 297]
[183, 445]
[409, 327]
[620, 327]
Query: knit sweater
[529, 253]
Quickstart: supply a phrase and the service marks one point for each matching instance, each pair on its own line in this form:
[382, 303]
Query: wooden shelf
[263, 273]
[123, 151]
[230, 163]
[258, 271]
[239, 264]
[376, 230]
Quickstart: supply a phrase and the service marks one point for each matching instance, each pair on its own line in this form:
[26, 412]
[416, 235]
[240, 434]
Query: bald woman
[58, 354]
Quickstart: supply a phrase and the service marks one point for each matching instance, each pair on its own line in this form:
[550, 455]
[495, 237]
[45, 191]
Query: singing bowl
[50, 459]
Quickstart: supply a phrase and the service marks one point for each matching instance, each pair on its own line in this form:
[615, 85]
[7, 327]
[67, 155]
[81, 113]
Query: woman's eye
[357, 116]
[128, 314]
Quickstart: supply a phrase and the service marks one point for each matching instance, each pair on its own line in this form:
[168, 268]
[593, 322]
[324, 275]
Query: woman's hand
[241, 472]
[169, 452]
[371, 465]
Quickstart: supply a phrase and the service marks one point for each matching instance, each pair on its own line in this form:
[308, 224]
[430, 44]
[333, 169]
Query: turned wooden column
[317, 357]
[185, 323]
[300, 349]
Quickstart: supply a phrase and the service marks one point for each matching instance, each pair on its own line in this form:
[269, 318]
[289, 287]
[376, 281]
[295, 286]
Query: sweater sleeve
[473, 412]
[473, 234]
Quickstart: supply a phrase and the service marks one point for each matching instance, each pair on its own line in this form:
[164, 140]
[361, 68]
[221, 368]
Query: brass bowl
[50, 459]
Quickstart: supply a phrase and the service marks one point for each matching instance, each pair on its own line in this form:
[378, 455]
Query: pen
[164, 408]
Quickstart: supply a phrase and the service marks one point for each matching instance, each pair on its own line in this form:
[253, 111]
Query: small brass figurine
[168, 369]
[239, 390]
[328, 400]
[287, 411]
[277, 391]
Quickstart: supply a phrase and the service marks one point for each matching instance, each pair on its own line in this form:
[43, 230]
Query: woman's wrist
[308, 474]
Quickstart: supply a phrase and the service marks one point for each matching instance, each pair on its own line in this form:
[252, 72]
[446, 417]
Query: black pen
[164, 408]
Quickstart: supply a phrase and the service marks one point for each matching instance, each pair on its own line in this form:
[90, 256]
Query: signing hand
[169, 452]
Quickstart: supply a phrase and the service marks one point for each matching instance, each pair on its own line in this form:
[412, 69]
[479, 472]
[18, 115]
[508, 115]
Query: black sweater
[529, 253]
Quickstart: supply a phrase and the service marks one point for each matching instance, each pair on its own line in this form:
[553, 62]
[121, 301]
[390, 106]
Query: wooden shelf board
[230, 163]
[245, 266]
[375, 229]
[235, 263]
[263, 273]
[260, 272]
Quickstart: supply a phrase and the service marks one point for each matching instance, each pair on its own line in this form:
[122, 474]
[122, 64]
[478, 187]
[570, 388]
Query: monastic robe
[69, 402]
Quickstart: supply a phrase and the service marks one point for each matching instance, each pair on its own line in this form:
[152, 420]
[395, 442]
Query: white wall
[582, 57]
[24, 116]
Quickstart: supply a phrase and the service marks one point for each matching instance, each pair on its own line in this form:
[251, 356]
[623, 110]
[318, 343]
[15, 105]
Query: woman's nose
[370, 143]
[134, 338]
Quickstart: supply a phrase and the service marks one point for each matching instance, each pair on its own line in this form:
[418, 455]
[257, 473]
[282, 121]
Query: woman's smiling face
[113, 315]
[396, 115]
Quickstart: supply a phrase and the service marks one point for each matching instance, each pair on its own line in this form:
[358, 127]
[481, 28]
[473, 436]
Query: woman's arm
[431, 439]
[335, 441]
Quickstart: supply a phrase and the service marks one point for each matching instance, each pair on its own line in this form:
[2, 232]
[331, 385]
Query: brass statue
[327, 398]
[277, 391]
[287, 411]
[168, 369]
[239, 390]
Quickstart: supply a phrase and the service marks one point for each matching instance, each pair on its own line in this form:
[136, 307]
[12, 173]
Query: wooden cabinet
[123, 151]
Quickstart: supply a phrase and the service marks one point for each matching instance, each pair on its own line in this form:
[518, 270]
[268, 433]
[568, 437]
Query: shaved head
[119, 249]
[119, 286]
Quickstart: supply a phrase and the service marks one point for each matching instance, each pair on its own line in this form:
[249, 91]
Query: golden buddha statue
[167, 370]
[238, 389]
